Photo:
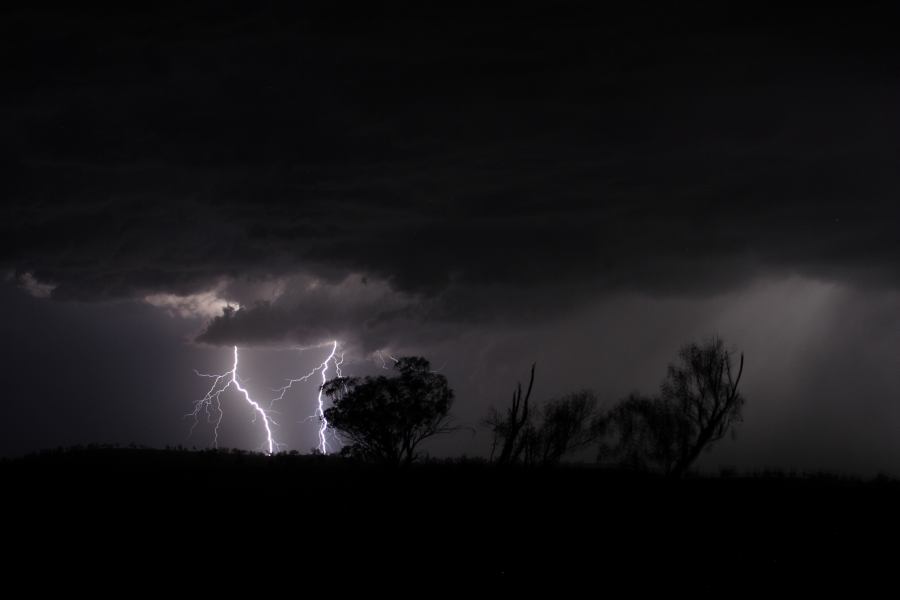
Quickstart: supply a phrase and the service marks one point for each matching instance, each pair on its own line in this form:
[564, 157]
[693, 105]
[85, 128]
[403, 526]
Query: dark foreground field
[223, 519]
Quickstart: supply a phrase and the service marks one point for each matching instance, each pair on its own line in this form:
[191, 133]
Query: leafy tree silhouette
[384, 419]
[699, 403]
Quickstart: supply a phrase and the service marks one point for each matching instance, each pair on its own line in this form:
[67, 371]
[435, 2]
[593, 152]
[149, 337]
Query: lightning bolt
[320, 404]
[381, 356]
[211, 404]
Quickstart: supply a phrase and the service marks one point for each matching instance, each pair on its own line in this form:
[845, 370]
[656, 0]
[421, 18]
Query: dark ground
[228, 519]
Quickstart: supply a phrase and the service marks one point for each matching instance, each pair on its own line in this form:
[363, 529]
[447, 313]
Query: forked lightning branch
[211, 405]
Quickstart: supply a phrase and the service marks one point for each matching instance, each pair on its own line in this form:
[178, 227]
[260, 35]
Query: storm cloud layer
[470, 165]
[579, 185]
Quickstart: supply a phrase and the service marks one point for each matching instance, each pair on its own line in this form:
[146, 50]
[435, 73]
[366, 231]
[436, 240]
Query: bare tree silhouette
[699, 403]
[568, 424]
[544, 436]
[512, 427]
[648, 432]
[705, 389]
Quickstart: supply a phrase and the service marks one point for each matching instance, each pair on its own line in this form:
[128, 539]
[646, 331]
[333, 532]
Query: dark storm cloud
[480, 164]
[563, 183]
[362, 314]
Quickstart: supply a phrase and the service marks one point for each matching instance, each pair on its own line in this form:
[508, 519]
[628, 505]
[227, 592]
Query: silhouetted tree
[648, 430]
[568, 423]
[705, 389]
[699, 402]
[562, 425]
[508, 427]
[384, 419]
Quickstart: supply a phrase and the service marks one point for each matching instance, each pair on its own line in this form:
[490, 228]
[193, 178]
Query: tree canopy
[385, 419]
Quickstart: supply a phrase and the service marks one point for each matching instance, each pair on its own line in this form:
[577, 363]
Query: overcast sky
[564, 183]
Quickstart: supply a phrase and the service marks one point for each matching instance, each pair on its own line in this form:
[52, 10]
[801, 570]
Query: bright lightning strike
[211, 404]
[320, 405]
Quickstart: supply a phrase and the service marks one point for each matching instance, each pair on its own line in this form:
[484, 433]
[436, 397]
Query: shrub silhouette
[384, 419]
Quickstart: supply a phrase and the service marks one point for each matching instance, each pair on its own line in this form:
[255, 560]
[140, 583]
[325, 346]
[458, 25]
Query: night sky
[565, 183]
